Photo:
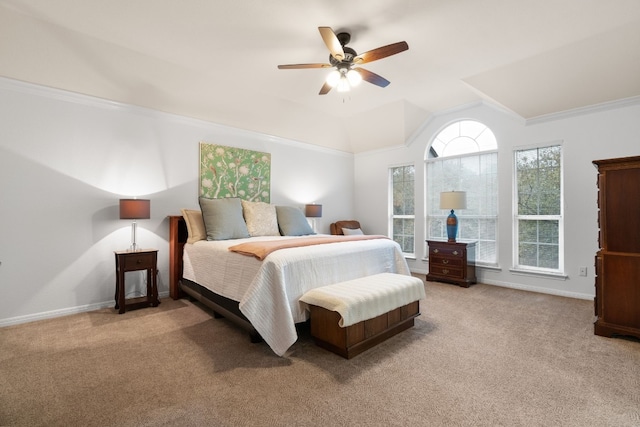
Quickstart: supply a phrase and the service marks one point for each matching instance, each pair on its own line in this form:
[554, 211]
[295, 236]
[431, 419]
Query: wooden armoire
[617, 301]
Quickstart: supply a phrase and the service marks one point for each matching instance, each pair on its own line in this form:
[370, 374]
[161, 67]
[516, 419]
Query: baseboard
[62, 312]
[576, 295]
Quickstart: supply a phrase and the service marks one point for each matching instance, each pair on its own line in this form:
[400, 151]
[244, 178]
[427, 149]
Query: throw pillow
[292, 222]
[351, 231]
[261, 218]
[223, 218]
[195, 225]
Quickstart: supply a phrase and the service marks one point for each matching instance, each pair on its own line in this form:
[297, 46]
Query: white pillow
[352, 231]
[261, 218]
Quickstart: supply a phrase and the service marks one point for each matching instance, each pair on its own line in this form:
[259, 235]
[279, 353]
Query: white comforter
[269, 291]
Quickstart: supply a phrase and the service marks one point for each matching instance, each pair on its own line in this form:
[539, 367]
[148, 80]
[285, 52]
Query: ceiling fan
[346, 61]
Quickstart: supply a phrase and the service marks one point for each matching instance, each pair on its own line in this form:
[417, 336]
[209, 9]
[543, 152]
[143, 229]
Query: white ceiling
[217, 60]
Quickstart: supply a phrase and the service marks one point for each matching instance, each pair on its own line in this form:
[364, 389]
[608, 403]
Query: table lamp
[453, 200]
[313, 211]
[134, 209]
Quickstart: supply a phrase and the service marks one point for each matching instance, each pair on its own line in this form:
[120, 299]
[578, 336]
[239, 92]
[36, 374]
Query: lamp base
[452, 227]
[134, 246]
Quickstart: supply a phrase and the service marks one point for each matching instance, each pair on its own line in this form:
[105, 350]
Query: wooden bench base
[353, 340]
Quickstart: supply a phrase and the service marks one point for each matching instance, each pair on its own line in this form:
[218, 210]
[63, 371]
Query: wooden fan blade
[301, 66]
[326, 87]
[381, 52]
[332, 42]
[373, 77]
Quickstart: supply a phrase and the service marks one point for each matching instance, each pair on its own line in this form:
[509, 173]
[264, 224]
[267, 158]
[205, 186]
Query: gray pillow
[223, 218]
[292, 222]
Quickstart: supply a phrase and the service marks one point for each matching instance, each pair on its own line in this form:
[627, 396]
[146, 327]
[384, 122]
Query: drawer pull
[139, 261]
[445, 261]
[455, 252]
[445, 271]
[435, 251]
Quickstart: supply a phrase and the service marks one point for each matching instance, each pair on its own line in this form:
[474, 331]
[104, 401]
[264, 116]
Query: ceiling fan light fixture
[343, 84]
[354, 77]
[333, 78]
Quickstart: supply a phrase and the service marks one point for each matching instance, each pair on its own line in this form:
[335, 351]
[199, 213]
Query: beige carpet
[483, 356]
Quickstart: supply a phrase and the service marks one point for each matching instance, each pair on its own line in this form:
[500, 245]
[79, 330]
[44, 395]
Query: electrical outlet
[583, 271]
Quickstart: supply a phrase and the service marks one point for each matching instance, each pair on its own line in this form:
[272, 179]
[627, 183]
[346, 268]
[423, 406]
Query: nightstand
[145, 259]
[452, 262]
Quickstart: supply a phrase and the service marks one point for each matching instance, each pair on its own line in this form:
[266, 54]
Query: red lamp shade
[135, 209]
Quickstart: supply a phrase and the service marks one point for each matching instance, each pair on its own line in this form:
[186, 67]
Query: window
[402, 218]
[538, 218]
[463, 157]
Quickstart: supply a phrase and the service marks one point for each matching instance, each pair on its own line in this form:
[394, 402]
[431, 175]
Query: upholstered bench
[350, 317]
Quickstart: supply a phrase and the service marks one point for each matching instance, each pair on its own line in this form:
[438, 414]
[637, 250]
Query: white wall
[598, 133]
[66, 159]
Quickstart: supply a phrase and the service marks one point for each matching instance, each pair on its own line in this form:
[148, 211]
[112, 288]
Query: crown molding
[575, 112]
[96, 102]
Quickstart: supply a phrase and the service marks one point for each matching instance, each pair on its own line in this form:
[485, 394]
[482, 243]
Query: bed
[262, 296]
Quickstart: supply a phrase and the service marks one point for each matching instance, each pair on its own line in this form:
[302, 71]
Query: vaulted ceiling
[217, 60]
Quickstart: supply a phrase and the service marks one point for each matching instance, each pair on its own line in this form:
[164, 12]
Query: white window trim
[391, 216]
[530, 270]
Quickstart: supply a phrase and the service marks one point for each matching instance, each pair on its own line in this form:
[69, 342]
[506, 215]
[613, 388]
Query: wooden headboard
[177, 239]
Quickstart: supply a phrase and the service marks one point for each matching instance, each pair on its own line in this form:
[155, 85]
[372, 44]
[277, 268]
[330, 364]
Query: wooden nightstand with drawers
[452, 262]
[145, 259]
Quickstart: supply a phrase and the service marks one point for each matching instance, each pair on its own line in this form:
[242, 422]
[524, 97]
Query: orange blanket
[261, 249]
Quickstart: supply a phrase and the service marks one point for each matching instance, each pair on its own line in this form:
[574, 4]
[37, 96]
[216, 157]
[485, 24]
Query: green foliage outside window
[403, 181]
[538, 177]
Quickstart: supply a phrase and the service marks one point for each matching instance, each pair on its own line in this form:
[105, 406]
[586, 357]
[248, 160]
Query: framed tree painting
[234, 172]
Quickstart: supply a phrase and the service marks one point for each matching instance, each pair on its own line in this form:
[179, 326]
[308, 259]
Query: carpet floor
[482, 356]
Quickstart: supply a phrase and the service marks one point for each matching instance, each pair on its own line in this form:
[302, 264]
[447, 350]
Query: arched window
[463, 137]
[464, 157]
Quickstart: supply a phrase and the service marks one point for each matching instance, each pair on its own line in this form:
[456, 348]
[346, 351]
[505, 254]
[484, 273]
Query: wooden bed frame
[179, 287]
[357, 339]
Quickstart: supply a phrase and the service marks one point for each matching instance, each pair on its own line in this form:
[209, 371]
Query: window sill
[493, 267]
[533, 273]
